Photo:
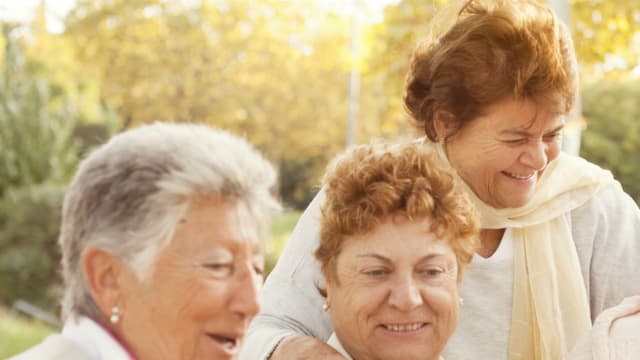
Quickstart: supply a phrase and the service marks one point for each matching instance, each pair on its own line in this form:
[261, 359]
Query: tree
[275, 72]
[612, 136]
[37, 156]
[607, 38]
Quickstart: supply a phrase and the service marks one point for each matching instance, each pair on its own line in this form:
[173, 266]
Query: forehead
[211, 222]
[517, 114]
[398, 238]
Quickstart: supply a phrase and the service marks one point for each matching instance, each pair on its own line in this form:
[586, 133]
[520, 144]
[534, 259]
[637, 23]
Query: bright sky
[24, 10]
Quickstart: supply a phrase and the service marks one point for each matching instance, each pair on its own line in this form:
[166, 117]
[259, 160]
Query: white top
[336, 344]
[83, 339]
[94, 339]
[485, 316]
[606, 231]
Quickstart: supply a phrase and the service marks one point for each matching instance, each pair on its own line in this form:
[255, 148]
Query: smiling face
[395, 292]
[502, 154]
[202, 293]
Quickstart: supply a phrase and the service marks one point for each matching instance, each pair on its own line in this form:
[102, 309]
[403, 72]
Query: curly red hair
[367, 184]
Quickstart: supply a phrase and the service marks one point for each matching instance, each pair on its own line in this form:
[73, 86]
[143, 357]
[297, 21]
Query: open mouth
[404, 327]
[519, 176]
[228, 343]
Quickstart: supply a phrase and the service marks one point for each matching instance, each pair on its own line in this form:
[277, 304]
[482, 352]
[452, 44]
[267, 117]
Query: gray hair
[129, 194]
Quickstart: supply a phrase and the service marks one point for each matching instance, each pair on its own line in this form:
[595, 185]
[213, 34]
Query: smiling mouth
[520, 176]
[404, 327]
[228, 343]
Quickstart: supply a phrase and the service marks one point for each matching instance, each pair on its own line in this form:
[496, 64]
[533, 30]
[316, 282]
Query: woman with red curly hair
[395, 236]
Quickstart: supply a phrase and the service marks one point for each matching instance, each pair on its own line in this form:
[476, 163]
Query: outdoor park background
[285, 74]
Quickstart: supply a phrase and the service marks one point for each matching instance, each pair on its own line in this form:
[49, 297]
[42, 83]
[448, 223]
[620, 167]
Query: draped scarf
[550, 309]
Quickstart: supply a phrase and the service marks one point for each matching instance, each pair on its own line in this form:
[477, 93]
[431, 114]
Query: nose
[244, 301]
[535, 155]
[405, 295]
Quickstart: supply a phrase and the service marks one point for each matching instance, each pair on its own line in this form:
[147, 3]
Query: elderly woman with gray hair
[161, 247]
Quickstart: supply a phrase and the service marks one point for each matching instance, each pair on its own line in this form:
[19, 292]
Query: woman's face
[502, 154]
[396, 293]
[202, 293]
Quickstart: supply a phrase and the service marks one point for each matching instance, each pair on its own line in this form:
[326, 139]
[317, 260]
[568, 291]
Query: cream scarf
[550, 310]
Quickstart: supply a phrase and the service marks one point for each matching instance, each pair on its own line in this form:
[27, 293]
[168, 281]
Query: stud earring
[461, 301]
[325, 306]
[115, 315]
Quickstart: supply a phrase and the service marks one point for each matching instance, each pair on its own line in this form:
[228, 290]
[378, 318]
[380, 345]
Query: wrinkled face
[502, 154]
[202, 292]
[396, 293]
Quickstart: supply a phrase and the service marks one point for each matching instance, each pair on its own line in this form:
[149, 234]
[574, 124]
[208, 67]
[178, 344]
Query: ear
[101, 271]
[444, 122]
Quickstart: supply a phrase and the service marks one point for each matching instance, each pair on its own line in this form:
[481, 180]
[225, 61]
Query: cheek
[444, 299]
[205, 299]
[195, 301]
[354, 305]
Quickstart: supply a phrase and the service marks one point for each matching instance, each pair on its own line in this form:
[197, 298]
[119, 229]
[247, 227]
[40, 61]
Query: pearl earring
[325, 306]
[115, 315]
[461, 301]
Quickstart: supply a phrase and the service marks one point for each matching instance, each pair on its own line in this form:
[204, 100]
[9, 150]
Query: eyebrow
[526, 133]
[387, 260]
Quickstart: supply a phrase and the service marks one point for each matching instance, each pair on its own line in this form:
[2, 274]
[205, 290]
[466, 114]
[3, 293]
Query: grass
[281, 229]
[18, 333]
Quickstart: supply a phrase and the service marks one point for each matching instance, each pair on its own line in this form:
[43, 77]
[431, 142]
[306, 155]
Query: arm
[607, 234]
[290, 302]
[304, 347]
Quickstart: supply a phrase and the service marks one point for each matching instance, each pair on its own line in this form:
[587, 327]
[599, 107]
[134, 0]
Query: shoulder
[607, 207]
[52, 348]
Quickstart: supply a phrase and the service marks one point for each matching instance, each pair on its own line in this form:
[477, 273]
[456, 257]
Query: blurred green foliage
[612, 136]
[280, 231]
[37, 158]
[18, 333]
[29, 255]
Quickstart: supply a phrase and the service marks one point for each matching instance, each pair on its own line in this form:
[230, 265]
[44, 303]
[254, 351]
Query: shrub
[612, 136]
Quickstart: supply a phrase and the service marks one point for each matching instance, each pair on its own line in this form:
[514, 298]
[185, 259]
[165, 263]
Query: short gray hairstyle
[128, 195]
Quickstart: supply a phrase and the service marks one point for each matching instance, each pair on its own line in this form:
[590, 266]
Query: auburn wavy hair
[496, 49]
[369, 184]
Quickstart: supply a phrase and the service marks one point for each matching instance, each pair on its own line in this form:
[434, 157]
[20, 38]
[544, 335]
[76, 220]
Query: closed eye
[220, 269]
[515, 141]
[552, 136]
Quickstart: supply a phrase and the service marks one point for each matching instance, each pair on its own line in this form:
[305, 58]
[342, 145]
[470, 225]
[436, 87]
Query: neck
[489, 241]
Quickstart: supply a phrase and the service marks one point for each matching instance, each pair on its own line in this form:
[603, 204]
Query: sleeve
[290, 301]
[607, 234]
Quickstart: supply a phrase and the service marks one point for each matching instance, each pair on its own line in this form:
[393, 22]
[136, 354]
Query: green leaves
[612, 136]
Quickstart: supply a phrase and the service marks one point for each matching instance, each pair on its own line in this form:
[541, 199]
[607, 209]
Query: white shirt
[81, 339]
[485, 316]
[94, 339]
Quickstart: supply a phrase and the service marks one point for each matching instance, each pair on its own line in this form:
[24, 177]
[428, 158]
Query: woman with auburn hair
[559, 239]
[395, 236]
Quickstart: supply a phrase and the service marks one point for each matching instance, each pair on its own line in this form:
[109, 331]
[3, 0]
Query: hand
[304, 348]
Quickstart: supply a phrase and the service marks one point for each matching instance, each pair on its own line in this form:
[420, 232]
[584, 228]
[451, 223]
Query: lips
[519, 176]
[230, 343]
[400, 328]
